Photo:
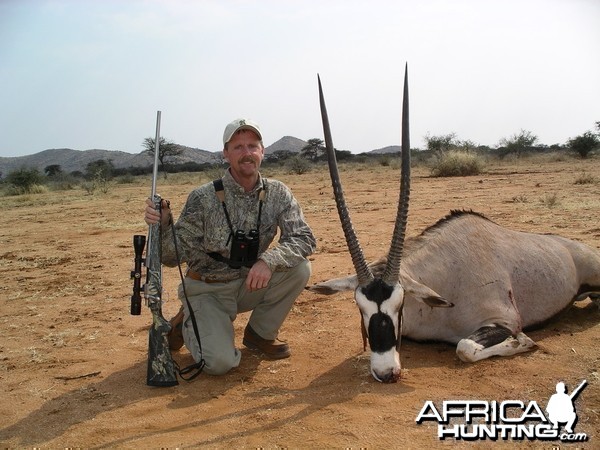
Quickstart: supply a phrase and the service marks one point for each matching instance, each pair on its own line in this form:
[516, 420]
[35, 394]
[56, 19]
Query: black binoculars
[244, 249]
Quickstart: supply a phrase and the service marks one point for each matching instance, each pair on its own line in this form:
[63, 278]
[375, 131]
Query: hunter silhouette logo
[510, 419]
[560, 407]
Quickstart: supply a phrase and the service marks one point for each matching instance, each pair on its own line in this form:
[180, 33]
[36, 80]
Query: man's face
[244, 153]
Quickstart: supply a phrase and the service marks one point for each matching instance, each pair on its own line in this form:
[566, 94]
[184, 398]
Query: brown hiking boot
[175, 336]
[274, 349]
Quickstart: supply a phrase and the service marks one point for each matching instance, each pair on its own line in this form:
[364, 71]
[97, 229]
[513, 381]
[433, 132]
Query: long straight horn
[363, 273]
[392, 269]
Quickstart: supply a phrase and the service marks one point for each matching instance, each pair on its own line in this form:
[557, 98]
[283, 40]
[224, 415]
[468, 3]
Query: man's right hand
[152, 216]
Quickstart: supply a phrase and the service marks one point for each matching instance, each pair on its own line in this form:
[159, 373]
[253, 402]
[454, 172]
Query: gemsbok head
[379, 296]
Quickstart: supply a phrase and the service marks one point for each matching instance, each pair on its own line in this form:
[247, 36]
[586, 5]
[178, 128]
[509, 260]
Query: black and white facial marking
[380, 305]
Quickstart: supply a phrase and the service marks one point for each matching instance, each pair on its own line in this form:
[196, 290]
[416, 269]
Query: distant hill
[286, 143]
[389, 149]
[71, 160]
[294, 145]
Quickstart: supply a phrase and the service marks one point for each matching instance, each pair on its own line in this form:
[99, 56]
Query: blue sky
[92, 74]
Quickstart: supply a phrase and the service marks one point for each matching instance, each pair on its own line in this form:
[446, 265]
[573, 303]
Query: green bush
[126, 179]
[297, 165]
[98, 183]
[33, 189]
[24, 180]
[456, 163]
[63, 182]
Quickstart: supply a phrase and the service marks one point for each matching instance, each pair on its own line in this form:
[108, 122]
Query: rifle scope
[139, 242]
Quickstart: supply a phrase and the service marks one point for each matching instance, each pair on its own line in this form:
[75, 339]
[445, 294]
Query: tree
[519, 142]
[343, 155]
[313, 149]
[52, 170]
[441, 143]
[166, 150]
[585, 143]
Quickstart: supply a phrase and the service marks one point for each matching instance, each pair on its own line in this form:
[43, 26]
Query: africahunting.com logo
[507, 420]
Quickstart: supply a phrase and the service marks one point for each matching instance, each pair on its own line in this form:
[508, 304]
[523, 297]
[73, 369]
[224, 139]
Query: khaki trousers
[216, 306]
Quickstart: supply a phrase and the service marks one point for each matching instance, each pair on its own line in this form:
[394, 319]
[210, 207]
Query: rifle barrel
[156, 150]
[578, 389]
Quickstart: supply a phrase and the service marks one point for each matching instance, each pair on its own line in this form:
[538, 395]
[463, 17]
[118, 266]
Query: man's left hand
[258, 276]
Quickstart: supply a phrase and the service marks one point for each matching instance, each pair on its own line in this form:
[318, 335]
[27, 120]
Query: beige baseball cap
[240, 124]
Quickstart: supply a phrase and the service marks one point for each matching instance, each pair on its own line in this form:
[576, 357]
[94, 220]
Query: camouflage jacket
[202, 228]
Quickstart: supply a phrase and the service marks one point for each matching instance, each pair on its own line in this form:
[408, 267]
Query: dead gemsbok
[464, 280]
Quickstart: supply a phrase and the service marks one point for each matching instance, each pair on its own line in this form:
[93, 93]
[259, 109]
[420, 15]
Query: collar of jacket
[231, 185]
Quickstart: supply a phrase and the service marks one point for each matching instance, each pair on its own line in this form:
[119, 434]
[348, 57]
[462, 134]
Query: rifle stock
[161, 368]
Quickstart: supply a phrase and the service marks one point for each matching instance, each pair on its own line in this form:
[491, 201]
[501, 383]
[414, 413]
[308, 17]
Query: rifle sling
[200, 364]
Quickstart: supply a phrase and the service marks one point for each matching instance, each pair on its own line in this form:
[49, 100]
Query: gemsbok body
[465, 280]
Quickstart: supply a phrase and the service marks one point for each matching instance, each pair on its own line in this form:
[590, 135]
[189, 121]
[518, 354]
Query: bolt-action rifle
[161, 369]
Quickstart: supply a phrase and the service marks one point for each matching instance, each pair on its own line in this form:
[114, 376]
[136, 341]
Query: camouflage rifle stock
[161, 369]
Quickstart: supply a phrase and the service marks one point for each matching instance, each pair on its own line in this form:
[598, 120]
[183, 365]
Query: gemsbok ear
[421, 293]
[333, 286]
